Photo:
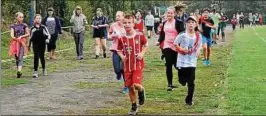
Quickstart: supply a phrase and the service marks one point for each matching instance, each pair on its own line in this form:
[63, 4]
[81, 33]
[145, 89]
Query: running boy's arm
[212, 24]
[144, 45]
[177, 43]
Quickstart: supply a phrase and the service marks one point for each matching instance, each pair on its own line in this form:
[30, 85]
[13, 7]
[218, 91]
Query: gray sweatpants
[79, 40]
[19, 58]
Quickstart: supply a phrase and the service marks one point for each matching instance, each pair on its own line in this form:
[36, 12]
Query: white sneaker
[44, 72]
[35, 74]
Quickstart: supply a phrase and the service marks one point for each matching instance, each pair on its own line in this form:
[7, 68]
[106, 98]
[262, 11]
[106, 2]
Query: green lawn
[247, 75]
[209, 92]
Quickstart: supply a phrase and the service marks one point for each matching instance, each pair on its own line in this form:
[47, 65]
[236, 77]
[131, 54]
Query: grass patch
[246, 78]
[208, 92]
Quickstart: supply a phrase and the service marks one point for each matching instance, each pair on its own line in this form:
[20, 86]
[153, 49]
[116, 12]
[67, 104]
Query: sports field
[235, 83]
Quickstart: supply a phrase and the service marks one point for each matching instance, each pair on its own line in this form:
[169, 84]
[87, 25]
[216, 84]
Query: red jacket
[14, 47]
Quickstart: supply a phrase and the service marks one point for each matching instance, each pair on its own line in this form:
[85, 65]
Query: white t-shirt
[187, 42]
[149, 20]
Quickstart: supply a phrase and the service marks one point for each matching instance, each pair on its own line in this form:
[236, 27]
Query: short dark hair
[129, 16]
[206, 9]
[50, 9]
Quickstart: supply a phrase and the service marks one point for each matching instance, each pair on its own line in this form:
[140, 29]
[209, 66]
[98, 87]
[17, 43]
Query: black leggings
[156, 25]
[170, 58]
[187, 75]
[52, 43]
[39, 51]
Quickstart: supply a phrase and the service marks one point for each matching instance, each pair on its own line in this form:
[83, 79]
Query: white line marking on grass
[11, 59]
[258, 35]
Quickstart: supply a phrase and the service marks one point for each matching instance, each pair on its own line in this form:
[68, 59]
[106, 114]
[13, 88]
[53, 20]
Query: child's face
[138, 15]
[206, 14]
[20, 17]
[38, 19]
[50, 13]
[119, 17]
[191, 24]
[128, 24]
[78, 12]
[170, 14]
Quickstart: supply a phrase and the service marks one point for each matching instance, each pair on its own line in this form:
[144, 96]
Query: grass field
[247, 76]
[233, 84]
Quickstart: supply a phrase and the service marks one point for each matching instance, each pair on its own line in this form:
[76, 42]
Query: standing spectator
[260, 19]
[54, 27]
[157, 21]
[241, 20]
[238, 18]
[250, 19]
[149, 23]
[79, 20]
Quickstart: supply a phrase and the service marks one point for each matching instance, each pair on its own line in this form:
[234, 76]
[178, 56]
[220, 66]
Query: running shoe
[125, 90]
[35, 74]
[44, 72]
[81, 57]
[169, 88]
[205, 62]
[208, 62]
[19, 74]
[97, 56]
[133, 110]
[104, 55]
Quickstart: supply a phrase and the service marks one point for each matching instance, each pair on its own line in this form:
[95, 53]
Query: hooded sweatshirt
[79, 21]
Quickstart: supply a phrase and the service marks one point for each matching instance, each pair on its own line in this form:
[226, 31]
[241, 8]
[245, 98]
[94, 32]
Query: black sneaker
[97, 56]
[104, 55]
[189, 102]
[162, 57]
[141, 96]
[169, 88]
[19, 74]
[133, 110]
[149, 37]
[174, 86]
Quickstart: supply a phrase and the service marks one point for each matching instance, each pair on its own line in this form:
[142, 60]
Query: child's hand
[157, 43]
[123, 58]
[140, 56]
[47, 41]
[184, 51]
[29, 48]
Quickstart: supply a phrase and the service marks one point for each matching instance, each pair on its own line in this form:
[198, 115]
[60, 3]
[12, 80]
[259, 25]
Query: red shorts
[133, 77]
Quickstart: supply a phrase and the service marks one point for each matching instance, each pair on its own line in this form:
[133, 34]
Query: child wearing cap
[188, 45]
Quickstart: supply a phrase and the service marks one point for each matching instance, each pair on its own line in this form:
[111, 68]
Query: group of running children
[180, 39]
